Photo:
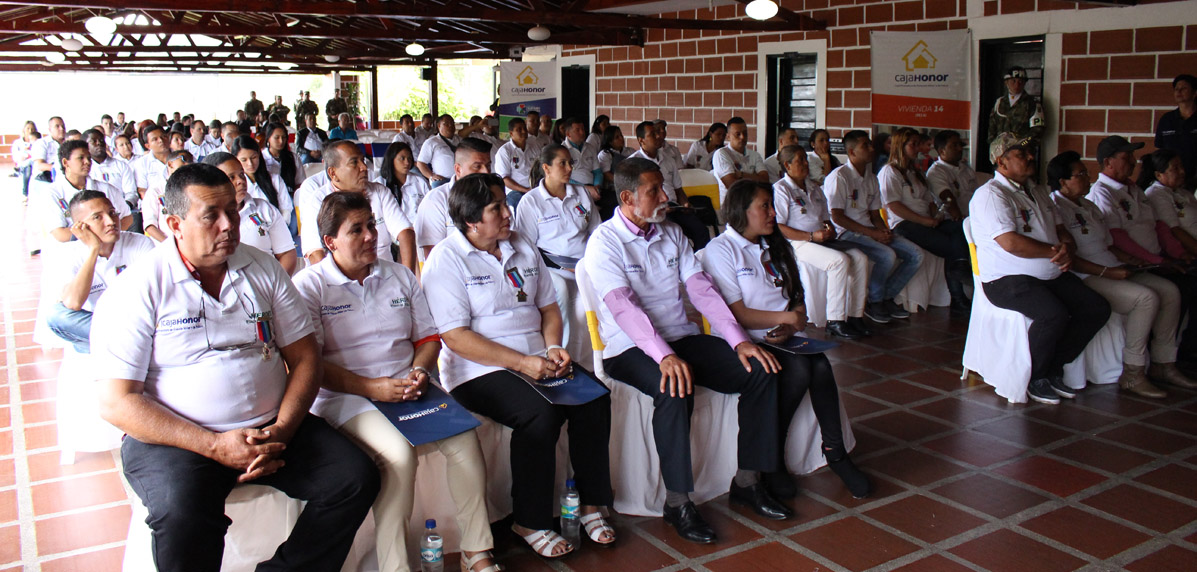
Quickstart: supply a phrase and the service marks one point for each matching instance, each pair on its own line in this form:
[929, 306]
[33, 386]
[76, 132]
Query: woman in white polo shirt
[406, 184]
[1162, 176]
[262, 225]
[279, 159]
[754, 268]
[557, 217]
[496, 312]
[262, 184]
[699, 155]
[379, 343]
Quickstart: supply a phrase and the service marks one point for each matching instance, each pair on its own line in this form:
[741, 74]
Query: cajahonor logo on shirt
[745, 271]
[401, 302]
[180, 324]
[479, 280]
[330, 310]
[548, 218]
[633, 269]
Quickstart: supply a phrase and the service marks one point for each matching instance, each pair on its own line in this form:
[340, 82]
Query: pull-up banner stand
[528, 86]
[920, 79]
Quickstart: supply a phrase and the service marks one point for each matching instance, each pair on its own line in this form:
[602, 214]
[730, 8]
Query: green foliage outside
[463, 90]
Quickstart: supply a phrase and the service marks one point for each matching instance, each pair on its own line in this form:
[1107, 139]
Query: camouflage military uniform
[1024, 118]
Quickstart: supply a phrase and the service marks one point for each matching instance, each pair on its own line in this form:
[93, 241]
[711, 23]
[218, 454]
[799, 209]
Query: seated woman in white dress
[753, 265]
[379, 343]
[497, 314]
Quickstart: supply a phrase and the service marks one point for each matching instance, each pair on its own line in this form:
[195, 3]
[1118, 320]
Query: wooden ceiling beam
[414, 9]
[295, 55]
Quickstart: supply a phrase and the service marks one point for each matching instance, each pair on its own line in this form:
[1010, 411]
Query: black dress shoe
[960, 307]
[689, 524]
[861, 326]
[761, 502]
[842, 330]
[781, 484]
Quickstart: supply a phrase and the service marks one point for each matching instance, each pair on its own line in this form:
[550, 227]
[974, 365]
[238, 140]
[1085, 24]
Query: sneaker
[1041, 390]
[876, 311]
[1058, 386]
[895, 311]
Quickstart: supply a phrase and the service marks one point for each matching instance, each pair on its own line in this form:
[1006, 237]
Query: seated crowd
[261, 313]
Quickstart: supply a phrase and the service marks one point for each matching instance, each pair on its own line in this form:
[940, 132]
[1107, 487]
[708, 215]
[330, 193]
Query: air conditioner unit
[515, 53]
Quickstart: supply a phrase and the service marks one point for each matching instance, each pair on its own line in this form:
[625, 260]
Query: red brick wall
[6, 142]
[1120, 82]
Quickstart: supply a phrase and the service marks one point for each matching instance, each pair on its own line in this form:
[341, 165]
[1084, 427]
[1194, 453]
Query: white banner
[528, 86]
[920, 79]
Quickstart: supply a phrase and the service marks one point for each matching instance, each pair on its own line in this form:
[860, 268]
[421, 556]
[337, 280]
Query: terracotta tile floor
[964, 480]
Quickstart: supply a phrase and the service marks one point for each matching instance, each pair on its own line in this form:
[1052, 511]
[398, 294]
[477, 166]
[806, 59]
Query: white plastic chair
[635, 467]
[80, 427]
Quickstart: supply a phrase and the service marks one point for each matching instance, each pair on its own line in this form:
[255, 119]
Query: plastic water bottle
[432, 553]
[571, 507]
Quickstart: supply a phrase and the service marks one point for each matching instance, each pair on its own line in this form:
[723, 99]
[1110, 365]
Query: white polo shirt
[656, 270]
[557, 226]
[128, 248]
[432, 218]
[153, 208]
[800, 207]
[670, 170]
[737, 266]
[725, 161]
[673, 152]
[148, 170]
[857, 194]
[285, 203]
[1087, 226]
[411, 141]
[201, 356]
[698, 156]
[1176, 207]
[116, 172]
[906, 189]
[438, 154]
[202, 150]
[263, 227]
[960, 180]
[495, 142]
[389, 220]
[413, 190]
[275, 166]
[511, 161]
[55, 199]
[1126, 207]
[538, 142]
[368, 329]
[773, 167]
[608, 159]
[584, 161]
[46, 149]
[1000, 206]
[467, 287]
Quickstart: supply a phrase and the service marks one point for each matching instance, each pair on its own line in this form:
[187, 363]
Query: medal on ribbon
[62, 204]
[1180, 209]
[854, 195]
[1026, 219]
[770, 268]
[1126, 207]
[261, 322]
[801, 203]
[581, 210]
[1084, 224]
[162, 203]
[513, 275]
[257, 220]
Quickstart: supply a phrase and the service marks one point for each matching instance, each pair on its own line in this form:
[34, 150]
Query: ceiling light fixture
[286, 66]
[414, 49]
[72, 45]
[56, 57]
[539, 33]
[100, 26]
[761, 9]
[332, 58]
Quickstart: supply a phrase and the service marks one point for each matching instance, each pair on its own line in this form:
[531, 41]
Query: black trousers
[714, 365]
[800, 374]
[536, 425]
[1187, 284]
[185, 494]
[1065, 315]
[692, 227]
[945, 241]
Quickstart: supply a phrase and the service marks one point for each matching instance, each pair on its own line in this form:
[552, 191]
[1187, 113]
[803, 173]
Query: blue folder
[576, 388]
[804, 346]
[433, 417]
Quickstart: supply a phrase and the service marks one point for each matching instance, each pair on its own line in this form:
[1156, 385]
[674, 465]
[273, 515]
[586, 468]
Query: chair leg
[67, 457]
[964, 373]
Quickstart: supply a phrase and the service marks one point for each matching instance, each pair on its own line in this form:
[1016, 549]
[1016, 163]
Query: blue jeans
[432, 184]
[71, 325]
[894, 264]
[26, 174]
[513, 200]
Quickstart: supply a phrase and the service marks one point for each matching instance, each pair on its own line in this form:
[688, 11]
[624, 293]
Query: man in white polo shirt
[638, 264]
[54, 198]
[112, 170]
[435, 160]
[209, 365]
[854, 197]
[735, 160]
[45, 150]
[787, 137]
[680, 211]
[585, 157]
[951, 180]
[407, 134]
[91, 264]
[432, 217]
[198, 145]
[513, 162]
[1024, 254]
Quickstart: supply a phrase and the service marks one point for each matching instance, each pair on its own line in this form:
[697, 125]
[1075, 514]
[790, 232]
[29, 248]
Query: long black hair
[706, 139]
[597, 126]
[387, 172]
[735, 212]
[286, 159]
[1155, 162]
[261, 177]
[547, 154]
[609, 137]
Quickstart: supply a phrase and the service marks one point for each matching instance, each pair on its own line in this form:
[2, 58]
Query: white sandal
[595, 527]
[467, 564]
[544, 541]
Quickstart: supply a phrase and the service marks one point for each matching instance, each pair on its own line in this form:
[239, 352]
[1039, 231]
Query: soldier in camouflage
[1017, 112]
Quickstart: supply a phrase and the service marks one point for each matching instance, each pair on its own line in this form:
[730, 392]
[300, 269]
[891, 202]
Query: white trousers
[1151, 305]
[397, 461]
[847, 277]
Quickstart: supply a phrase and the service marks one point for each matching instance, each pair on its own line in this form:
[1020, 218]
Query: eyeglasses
[1084, 174]
[249, 313]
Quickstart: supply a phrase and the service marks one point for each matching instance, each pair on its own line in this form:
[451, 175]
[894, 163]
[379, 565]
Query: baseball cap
[1015, 72]
[1115, 144]
[1006, 141]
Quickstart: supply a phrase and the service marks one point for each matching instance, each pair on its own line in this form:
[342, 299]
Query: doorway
[575, 92]
[792, 97]
[996, 57]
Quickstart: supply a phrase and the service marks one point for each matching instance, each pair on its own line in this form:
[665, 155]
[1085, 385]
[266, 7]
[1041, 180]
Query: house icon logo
[919, 57]
[527, 77]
